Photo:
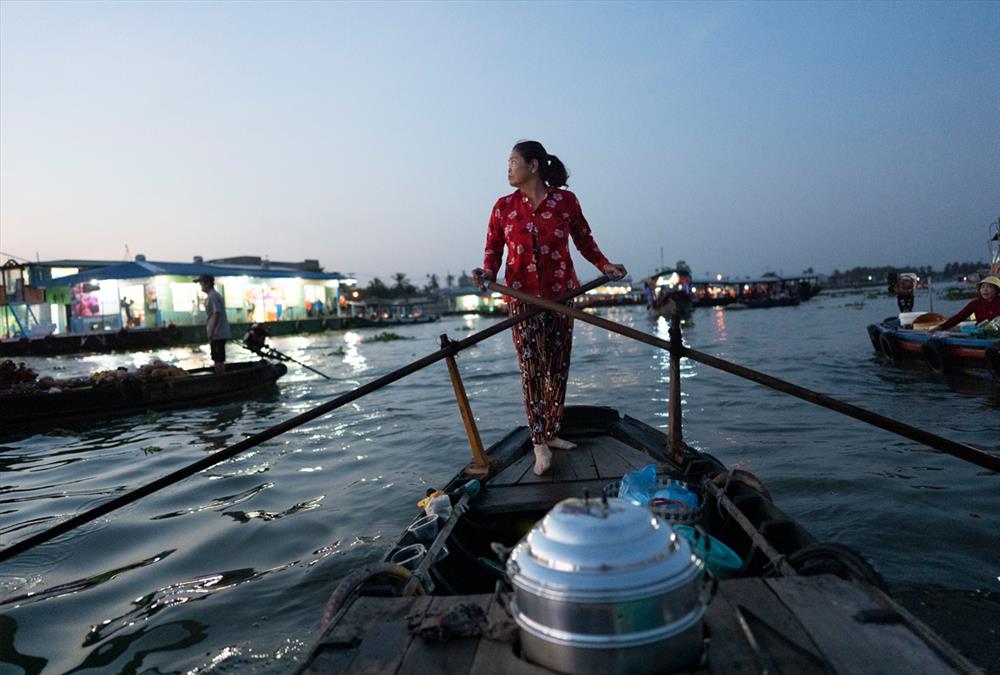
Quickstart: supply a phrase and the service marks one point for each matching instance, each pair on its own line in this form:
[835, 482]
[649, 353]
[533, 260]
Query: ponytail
[551, 168]
[555, 173]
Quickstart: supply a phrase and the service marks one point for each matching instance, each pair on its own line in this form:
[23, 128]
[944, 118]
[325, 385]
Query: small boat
[44, 410]
[458, 593]
[668, 302]
[945, 352]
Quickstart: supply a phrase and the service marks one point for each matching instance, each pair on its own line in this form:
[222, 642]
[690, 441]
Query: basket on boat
[673, 511]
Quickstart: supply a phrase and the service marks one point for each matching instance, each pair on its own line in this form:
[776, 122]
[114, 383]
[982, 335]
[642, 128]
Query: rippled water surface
[228, 571]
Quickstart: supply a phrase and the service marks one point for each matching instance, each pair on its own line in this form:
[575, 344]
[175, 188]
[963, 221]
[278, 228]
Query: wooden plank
[354, 641]
[383, 647]
[537, 497]
[562, 466]
[642, 437]
[498, 658]
[729, 653]
[452, 656]
[513, 473]
[581, 460]
[778, 635]
[609, 463]
[828, 607]
[636, 458]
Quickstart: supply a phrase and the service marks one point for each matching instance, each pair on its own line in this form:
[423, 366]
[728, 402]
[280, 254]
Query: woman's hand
[615, 271]
[480, 277]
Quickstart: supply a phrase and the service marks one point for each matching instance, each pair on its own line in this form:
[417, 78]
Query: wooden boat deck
[818, 624]
[592, 465]
[754, 624]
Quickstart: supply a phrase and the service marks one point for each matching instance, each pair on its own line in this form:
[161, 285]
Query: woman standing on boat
[535, 223]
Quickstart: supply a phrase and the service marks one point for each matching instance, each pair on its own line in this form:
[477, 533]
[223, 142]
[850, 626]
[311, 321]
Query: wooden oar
[939, 443]
[268, 351]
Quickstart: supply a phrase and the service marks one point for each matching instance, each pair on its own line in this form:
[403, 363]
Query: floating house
[471, 300]
[612, 293]
[87, 296]
[728, 290]
[412, 309]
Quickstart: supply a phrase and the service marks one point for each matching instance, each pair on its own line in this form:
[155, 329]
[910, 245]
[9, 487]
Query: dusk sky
[741, 137]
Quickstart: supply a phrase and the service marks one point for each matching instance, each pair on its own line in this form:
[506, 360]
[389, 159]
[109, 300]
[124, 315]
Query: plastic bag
[675, 496]
[638, 486]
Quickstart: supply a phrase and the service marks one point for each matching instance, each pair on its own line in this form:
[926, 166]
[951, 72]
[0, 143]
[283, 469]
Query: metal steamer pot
[604, 587]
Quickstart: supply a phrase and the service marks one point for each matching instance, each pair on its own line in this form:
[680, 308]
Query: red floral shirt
[537, 240]
[985, 310]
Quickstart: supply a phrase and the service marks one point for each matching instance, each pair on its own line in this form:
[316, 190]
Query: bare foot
[543, 459]
[560, 444]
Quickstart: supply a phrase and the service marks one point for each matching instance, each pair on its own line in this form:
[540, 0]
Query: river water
[228, 571]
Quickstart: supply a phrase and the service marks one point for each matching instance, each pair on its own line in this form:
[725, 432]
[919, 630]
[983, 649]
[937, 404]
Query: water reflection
[78, 585]
[179, 593]
[30, 665]
[352, 353]
[720, 324]
[220, 502]
[247, 516]
[191, 634]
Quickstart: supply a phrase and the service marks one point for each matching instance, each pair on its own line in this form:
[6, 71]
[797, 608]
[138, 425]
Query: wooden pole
[481, 463]
[675, 439]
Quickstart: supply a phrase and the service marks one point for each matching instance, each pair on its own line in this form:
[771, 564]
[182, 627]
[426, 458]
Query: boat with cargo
[42, 405]
[907, 338]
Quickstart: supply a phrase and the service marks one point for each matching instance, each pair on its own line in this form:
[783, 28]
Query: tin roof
[144, 269]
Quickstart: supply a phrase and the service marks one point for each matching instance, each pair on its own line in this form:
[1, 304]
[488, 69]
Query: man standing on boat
[217, 325]
[535, 223]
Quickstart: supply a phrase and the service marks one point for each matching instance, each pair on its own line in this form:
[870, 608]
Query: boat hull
[943, 353]
[46, 410]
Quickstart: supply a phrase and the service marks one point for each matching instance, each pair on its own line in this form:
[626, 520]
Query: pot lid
[594, 546]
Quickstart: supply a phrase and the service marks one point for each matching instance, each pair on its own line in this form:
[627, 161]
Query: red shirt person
[986, 307]
[537, 240]
[535, 224]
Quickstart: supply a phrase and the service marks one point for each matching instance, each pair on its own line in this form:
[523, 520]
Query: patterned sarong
[543, 345]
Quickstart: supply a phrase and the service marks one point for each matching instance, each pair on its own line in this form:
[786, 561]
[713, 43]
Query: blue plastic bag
[677, 497]
[638, 486]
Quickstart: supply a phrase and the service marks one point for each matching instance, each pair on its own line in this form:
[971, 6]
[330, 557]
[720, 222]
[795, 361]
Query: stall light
[718, 277]
[746, 287]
